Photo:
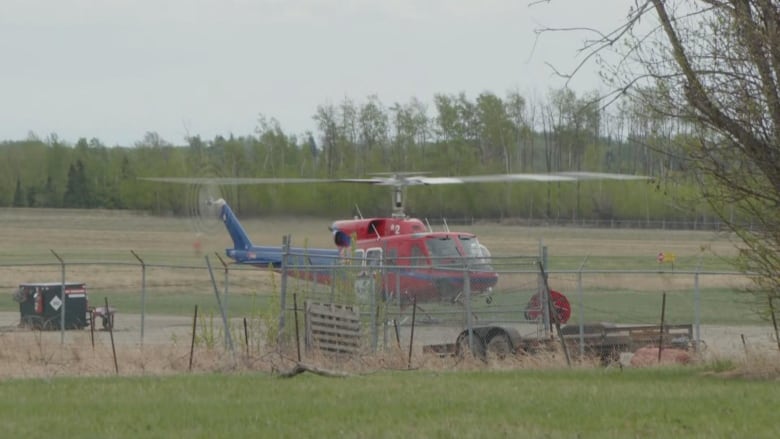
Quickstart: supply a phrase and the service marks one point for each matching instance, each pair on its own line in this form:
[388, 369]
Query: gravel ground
[161, 329]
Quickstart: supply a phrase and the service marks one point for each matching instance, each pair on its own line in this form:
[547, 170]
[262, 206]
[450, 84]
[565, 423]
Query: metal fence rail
[626, 223]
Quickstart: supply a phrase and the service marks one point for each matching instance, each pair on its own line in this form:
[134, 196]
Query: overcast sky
[115, 69]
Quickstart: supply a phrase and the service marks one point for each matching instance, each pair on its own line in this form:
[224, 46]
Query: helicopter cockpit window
[417, 257]
[477, 253]
[373, 259]
[443, 251]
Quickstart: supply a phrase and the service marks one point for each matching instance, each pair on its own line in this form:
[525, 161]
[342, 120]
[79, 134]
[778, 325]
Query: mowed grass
[29, 235]
[612, 403]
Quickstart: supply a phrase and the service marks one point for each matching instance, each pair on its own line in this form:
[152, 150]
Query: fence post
[467, 292]
[143, 294]
[297, 336]
[697, 310]
[374, 309]
[581, 306]
[283, 290]
[398, 292]
[774, 321]
[222, 310]
[663, 322]
[378, 287]
[543, 291]
[383, 300]
[555, 315]
[225, 291]
[332, 284]
[64, 298]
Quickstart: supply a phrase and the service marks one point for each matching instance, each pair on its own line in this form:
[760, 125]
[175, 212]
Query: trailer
[605, 341]
[40, 306]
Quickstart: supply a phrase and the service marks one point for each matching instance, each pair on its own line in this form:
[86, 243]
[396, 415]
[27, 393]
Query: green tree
[326, 119]
[496, 132]
[77, 191]
[373, 124]
[522, 150]
[18, 194]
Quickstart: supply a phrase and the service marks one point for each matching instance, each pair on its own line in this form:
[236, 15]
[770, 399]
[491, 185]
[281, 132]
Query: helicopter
[416, 263]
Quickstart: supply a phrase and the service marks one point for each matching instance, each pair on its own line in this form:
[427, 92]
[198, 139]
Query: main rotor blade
[604, 176]
[403, 180]
[233, 180]
[498, 178]
[549, 177]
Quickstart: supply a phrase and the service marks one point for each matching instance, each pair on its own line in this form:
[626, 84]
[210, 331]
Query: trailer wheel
[462, 346]
[108, 321]
[33, 322]
[51, 324]
[499, 346]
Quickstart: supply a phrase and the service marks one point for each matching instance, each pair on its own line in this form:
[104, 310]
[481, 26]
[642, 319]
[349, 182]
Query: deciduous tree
[714, 67]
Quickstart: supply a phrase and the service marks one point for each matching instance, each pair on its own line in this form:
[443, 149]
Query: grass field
[655, 403]
[75, 396]
[29, 235]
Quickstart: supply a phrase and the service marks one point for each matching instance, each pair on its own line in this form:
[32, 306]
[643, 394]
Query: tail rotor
[202, 209]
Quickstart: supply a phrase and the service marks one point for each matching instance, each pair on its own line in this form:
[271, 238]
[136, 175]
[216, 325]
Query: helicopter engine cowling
[341, 239]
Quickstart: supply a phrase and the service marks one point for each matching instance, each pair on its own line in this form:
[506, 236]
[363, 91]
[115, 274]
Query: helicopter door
[417, 258]
[365, 284]
[358, 259]
[373, 260]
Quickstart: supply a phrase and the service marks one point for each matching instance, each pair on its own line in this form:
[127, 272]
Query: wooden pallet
[332, 327]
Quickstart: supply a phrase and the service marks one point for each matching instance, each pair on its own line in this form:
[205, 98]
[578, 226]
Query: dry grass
[36, 354]
[755, 363]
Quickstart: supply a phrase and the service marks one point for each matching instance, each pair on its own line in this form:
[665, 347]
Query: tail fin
[241, 240]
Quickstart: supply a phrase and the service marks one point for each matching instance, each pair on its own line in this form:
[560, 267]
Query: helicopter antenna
[446, 227]
[398, 201]
[359, 213]
[430, 229]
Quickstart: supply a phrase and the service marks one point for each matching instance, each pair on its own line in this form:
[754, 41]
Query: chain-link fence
[400, 302]
[396, 311]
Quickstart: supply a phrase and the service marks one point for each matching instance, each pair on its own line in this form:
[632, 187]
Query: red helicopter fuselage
[414, 262]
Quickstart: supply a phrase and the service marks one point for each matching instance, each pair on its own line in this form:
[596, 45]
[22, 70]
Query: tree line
[455, 135]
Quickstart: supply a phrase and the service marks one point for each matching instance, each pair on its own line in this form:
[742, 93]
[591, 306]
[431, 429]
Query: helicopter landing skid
[457, 300]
